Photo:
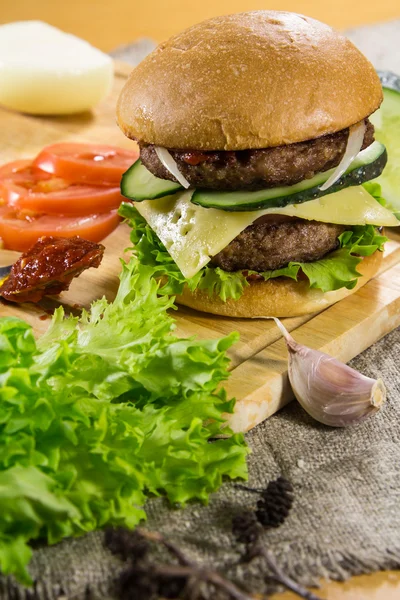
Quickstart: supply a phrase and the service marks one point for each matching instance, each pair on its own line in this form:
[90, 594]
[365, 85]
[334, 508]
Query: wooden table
[108, 25]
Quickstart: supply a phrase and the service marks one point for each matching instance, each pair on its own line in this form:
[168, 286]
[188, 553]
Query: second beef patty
[267, 244]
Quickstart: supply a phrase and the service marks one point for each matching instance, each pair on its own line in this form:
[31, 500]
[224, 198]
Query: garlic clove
[330, 391]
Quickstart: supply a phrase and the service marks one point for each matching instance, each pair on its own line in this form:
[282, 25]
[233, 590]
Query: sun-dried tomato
[49, 267]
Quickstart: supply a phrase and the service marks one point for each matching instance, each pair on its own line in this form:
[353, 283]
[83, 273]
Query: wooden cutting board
[259, 361]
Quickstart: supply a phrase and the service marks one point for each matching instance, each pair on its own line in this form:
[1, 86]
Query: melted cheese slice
[193, 234]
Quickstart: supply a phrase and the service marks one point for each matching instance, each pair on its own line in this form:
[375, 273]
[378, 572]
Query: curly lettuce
[336, 270]
[103, 411]
[375, 190]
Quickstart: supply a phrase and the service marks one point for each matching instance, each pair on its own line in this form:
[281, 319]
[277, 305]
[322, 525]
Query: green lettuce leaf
[336, 270]
[102, 411]
[376, 191]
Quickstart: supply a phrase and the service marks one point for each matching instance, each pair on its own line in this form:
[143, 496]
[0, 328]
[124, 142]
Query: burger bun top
[248, 80]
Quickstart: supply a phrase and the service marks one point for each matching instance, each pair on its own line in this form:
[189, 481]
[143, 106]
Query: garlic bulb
[328, 390]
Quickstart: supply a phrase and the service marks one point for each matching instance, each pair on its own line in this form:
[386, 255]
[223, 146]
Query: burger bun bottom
[280, 297]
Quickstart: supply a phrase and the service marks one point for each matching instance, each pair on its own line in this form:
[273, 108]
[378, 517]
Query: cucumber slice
[367, 165]
[387, 130]
[139, 184]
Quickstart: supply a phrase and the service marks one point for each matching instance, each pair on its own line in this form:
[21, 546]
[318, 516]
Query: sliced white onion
[354, 143]
[170, 164]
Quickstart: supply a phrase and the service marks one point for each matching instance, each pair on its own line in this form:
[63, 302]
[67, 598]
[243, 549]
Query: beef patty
[272, 244]
[255, 169]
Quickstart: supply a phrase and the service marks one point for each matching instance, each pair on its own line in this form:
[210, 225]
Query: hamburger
[252, 195]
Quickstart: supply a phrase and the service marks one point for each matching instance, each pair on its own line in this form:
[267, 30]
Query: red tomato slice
[13, 167]
[57, 197]
[86, 163]
[20, 234]
[22, 171]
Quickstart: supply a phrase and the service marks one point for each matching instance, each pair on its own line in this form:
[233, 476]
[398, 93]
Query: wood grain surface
[259, 378]
[384, 585]
[109, 24]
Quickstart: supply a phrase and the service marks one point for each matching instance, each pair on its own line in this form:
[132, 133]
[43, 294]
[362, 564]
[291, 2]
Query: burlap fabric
[345, 519]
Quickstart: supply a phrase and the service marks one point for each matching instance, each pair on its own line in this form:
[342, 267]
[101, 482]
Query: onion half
[170, 164]
[353, 147]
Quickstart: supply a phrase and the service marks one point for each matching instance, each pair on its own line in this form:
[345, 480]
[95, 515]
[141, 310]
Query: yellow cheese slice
[193, 234]
[351, 206]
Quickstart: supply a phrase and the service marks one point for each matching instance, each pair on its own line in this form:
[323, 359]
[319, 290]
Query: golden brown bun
[248, 80]
[278, 297]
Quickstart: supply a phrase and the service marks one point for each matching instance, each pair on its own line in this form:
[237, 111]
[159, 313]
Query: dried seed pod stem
[280, 576]
[153, 577]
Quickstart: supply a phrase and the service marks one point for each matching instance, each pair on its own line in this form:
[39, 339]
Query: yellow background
[109, 23]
